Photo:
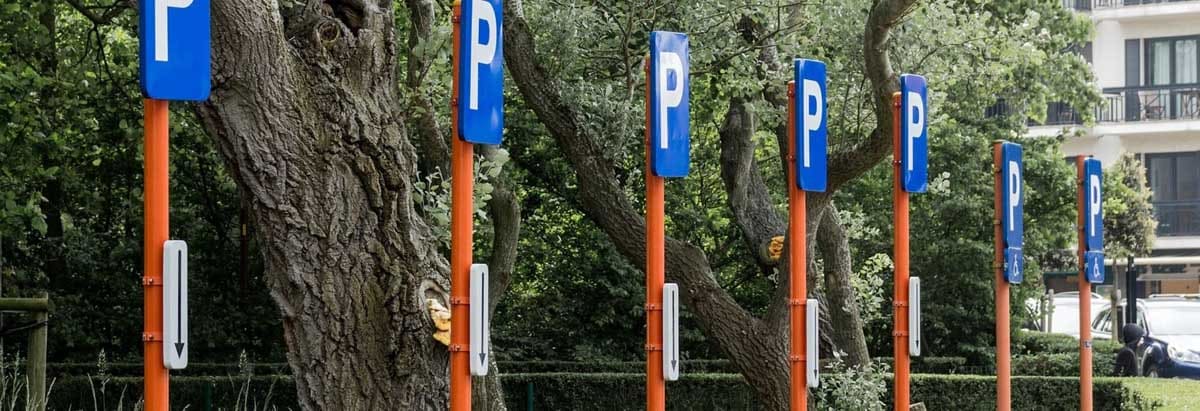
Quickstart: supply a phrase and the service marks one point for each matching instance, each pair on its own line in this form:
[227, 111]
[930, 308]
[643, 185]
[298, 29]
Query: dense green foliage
[71, 194]
[70, 185]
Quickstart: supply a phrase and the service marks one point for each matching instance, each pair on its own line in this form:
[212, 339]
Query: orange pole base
[1003, 353]
[1085, 300]
[656, 391]
[462, 208]
[797, 268]
[156, 197]
[900, 259]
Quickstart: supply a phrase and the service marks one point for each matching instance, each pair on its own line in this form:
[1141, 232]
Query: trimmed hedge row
[528, 367]
[601, 391]
[555, 391]
[977, 392]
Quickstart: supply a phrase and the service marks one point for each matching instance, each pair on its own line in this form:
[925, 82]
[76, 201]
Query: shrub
[977, 392]
[617, 391]
[730, 392]
[688, 366]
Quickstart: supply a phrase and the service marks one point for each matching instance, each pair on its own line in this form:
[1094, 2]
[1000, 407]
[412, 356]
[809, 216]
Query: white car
[1061, 312]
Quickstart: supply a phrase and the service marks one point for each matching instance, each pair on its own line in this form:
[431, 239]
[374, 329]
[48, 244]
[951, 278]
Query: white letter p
[160, 25]
[814, 111]
[916, 122]
[1014, 193]
[1094, 202]
[481, 53]
[668, 97]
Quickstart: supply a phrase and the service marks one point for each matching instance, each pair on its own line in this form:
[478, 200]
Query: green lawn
[1175, 394]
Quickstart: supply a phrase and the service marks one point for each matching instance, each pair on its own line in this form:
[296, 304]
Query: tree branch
[846, 165]
[749, 199]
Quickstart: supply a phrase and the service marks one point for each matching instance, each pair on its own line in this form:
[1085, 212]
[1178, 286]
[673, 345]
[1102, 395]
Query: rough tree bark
[757, 346]
[304, 111]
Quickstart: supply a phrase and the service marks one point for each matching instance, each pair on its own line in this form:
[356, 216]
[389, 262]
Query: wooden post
[35, 366]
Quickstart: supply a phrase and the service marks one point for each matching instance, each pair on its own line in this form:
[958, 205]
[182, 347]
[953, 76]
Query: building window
[1172, 61]
[1175, 180]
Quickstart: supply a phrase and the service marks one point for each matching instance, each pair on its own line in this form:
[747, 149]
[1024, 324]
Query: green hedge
[555, 391]
[619, 391]
[602, 391]
[977, 392]
[688, 366]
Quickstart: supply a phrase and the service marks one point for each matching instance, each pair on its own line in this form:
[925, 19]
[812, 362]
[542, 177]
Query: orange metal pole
[656, 392]
[900, 258]
[1085, 299]
[462, 205]
[1003, 359]
[798, 266]
[156, 197]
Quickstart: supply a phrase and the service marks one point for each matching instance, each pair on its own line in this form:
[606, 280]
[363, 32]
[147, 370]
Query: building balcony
[1149, 103]
[1177, 218]
[1133, 9]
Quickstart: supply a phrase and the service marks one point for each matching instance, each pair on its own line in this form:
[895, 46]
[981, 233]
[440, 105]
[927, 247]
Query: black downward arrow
[483, 335]
[179, 344]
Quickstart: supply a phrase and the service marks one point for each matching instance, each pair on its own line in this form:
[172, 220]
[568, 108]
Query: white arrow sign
[813, 342]
[480, 329]
[670, 332]
[175, 307]
[914, 317]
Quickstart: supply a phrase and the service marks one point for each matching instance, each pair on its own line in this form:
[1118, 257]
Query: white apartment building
[1146, 58]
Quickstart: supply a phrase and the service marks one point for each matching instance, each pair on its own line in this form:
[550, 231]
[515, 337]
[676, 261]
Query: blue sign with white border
[670, 139]
[811, 124]
[914, 133]
[1013, 265]
[481, 72]
[1012, 194]
[1093, 204]
[175, 49]
[1093, 266]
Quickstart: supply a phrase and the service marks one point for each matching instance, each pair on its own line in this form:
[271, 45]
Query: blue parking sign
[670, 140]
[914, 133]
[1093, 204]
[481, 72]
[1012, 196]
[811, 127]
[174, 50]
[1093, 266]
[1013, 265]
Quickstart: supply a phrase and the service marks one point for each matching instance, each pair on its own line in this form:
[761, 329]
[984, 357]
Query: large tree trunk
[304, 110]
[842, 304]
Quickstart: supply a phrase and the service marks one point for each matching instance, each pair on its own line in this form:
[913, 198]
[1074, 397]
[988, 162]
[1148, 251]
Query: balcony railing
[1108, 4]
[1178, 218]
[1150, 103]
[1057, 114]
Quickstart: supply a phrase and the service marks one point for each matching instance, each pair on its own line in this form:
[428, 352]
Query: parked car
[1063, 312]
[1171, 346]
